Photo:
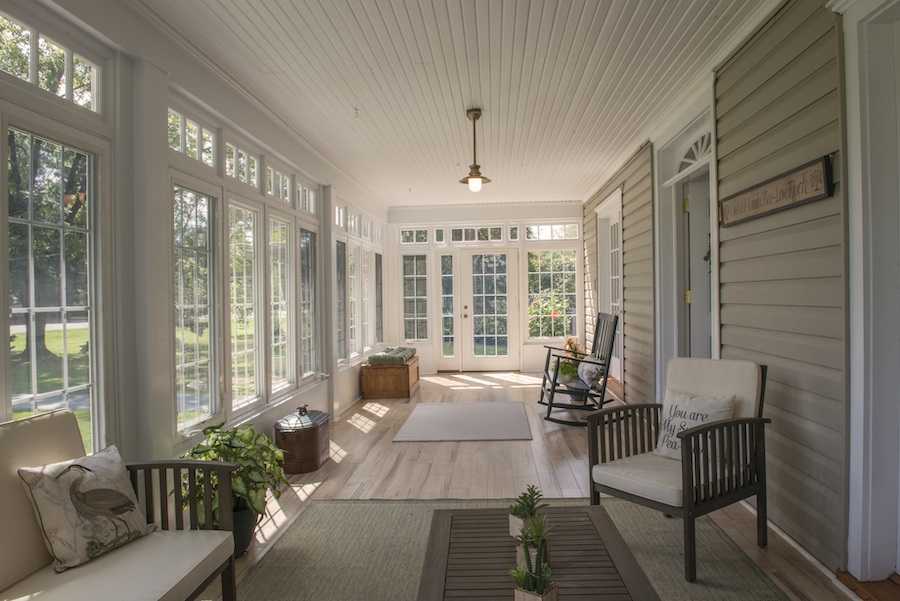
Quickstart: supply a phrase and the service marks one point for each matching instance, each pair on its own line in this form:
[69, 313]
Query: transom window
[192, 139]
[278, 185]
[33, 57]
[241, 165]
[552, 232]
[476, 234]
[307, 199]
[414, 236]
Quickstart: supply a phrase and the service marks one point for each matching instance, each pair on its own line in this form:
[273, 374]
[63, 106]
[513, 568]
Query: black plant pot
[245, 522]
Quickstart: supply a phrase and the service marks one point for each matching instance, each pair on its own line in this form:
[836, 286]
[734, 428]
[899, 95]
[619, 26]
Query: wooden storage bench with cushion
[392, 373]
[87, 515]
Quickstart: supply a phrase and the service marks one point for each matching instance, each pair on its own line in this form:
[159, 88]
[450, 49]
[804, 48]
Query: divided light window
[340, 259]
[195, 356]
[190, 138]
[278, 185]
[307, 199]
[241, 165]
[52, 337]
[353, 298]
[447, 311]
[379, 305]
[415, 298]
[365, 268]
[308, 358]
[552, 299]
[416, 236]
[245, 372]
[31, 56]
[552, 232]
[476, 234]
[280, 302]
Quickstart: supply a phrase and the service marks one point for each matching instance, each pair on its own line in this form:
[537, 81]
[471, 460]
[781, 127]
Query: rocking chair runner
[587, 391]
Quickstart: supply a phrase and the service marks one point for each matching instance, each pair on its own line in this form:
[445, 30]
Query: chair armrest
[159, 485]
[622, 431]
[723, 457]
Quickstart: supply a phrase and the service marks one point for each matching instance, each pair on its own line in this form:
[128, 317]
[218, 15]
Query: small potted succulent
[533, 575]
[524, 508]
[260, 471]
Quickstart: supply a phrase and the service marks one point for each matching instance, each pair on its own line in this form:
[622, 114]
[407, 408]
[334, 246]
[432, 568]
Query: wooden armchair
[720, 462]
[579, 394]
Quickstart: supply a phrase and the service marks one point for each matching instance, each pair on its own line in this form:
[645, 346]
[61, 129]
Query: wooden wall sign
[798, 186]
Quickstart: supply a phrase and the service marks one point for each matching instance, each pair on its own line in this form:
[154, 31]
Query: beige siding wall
[636, 321]
[783, 276]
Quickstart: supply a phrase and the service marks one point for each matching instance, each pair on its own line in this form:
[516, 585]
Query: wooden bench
[390, 381]
[174, 563]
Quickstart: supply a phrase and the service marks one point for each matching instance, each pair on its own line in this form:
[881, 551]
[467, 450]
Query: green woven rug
[373, 551]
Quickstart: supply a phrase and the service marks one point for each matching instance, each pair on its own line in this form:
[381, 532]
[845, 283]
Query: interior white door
[488, 310]
[609, 273]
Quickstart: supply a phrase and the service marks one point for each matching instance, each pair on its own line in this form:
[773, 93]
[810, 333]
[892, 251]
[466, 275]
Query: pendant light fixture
[474, 179]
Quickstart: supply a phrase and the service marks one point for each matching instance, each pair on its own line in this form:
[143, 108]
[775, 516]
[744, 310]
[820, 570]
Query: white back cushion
[718, 377]
[46, 438]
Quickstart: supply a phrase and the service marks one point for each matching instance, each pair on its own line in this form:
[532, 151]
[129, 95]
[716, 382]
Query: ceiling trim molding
[840, 6]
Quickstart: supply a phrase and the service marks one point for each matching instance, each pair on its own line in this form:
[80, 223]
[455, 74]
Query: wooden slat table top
[470, 554]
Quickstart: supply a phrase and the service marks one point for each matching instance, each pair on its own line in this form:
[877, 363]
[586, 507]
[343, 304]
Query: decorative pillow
[682, 411]
[85, 506]
[590, 373]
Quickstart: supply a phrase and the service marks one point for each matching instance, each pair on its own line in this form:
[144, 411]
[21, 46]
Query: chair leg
[229, 586]
[595, 494]
[762, 527]
[690, 549]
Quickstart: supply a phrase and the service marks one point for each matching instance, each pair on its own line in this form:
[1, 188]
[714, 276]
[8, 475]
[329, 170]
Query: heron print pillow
[85, 506]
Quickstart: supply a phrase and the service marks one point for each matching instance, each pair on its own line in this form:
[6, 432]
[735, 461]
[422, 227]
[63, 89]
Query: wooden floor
[366, 464]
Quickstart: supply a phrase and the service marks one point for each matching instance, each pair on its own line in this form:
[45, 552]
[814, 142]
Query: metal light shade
[474, 179]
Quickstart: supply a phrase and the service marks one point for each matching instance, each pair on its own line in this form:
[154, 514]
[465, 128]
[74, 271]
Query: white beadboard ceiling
[568, 88]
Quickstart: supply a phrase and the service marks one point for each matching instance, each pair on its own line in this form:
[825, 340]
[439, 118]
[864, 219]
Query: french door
[479, 305]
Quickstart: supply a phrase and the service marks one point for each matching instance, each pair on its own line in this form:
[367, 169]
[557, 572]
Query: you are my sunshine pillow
[682, 411]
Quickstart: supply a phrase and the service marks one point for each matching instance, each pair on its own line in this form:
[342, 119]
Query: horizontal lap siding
[783, 276]
[638, 293]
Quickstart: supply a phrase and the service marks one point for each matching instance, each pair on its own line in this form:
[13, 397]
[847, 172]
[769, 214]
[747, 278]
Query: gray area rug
[373, 551]
[483, 420]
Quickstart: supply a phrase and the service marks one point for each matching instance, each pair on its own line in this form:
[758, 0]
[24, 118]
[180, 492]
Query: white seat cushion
[648, 475]
[162, 566]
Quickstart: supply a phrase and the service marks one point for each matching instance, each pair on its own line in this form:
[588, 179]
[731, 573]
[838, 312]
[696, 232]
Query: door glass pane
[489, 303]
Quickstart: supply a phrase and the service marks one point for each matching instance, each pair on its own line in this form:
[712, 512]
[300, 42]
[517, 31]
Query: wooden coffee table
[470, 554]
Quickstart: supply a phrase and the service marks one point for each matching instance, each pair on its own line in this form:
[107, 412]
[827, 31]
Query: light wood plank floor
[366, 464]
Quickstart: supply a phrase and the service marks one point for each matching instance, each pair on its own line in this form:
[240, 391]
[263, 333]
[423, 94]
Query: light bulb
[474, 184]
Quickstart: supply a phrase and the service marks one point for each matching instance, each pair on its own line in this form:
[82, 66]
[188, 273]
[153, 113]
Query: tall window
[353, 298]
[552, 295]
[379, 306]
[31, 56]
[308, 358]
[341, 277]
[52, 338]
[194, 275]
[243, 267]
[280, 268]
[366, 296]
[415, 298]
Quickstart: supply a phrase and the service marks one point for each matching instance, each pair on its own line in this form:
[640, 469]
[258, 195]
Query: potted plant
[533, 575]
[525, 507]
[260, 470]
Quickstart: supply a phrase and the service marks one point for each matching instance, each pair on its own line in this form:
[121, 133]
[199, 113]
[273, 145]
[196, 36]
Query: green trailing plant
[528, 503]
[533, 576]
[259, 460]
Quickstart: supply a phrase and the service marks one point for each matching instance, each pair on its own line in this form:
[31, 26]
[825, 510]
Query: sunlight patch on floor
[529, 381]
[337, 453]
[376, 409]
[361, 423]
